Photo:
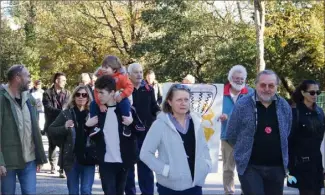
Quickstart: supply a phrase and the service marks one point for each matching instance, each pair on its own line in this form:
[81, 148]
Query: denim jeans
[262, 180]
[80, 173]
[113, 178]
[145, 177]
[26, 177]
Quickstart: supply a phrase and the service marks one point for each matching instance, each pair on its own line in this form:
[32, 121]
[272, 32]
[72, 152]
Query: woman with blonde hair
[183, 160]
[69, 130]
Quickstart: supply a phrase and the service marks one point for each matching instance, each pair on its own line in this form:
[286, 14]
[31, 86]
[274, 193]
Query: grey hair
[237, 68]
[132, 66]
[14, 70]
[267, 72]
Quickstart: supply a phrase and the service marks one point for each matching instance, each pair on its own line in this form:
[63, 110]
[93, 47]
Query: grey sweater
[242, 126]
[171, 165]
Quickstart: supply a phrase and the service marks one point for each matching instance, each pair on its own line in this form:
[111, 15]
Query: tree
[259, 18]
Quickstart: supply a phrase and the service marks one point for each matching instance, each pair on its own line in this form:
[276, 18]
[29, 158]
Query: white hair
[132, 66]
[237, 68]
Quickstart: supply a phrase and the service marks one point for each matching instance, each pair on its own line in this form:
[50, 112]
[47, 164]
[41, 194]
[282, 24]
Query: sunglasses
[180, 86]
[312, 93]
[84, 95]
[270, 86]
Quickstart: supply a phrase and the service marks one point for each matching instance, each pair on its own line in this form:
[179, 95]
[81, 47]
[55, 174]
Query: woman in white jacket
[183, 160]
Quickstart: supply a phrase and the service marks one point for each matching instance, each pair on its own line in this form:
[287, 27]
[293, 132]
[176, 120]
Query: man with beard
[54, 100]
[233, 90]
[21, 147]
[258, 128]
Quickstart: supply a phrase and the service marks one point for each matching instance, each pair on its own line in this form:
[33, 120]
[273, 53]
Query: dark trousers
[197, 190]
[310, 192]
[113, 178]
[52, 152]
[262, 180]
[145, 177]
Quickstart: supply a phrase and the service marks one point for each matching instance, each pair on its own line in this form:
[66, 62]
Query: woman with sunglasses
[183, 160]
[70, 130]
[308, 126]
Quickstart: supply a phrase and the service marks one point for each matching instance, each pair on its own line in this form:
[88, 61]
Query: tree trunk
[259, 17]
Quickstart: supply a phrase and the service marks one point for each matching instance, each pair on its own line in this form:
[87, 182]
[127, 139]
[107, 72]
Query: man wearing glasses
[21, 147]
[234, 89]
[258, 128]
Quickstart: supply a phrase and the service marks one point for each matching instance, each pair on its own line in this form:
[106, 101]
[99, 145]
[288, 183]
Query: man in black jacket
[54, 100]
[145, 104]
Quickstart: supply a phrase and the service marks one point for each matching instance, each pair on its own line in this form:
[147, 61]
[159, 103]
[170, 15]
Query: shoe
[62, 175]
[127, 132]
[52, 169]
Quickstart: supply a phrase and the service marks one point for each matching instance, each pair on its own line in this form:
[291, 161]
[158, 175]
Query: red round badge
[268, 130]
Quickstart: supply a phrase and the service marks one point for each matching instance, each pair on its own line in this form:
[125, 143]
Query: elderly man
[189, 79]
[258, 128]
[146, 106]
[21, 148]
[233, 90]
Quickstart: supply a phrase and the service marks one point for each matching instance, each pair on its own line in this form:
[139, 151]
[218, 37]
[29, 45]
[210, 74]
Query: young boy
[112, 66]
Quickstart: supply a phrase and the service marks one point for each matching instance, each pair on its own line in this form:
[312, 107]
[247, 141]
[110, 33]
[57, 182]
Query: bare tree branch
[119, 27]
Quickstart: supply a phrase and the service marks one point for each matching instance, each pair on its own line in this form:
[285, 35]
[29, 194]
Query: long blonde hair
[72, 102]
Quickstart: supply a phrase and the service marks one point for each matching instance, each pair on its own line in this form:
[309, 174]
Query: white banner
[207, 99]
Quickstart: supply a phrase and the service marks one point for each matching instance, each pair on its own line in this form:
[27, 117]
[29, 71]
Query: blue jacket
[228, 105]
[242, 125]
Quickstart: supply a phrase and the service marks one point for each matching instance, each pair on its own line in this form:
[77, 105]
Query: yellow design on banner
[208, 116]
[208, 132]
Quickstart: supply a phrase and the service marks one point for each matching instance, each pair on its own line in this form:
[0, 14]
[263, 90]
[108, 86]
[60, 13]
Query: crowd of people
[116, 118]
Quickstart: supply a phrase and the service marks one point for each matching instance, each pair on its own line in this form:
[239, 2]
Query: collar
[226, 90]
[23, 96]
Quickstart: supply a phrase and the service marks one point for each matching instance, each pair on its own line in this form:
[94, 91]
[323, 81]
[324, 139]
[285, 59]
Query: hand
[38, 168]
[3, 171]
[69, 124]
[91, 122]
[223, 117]
[102, 108]
[118, 98]
[127, 120]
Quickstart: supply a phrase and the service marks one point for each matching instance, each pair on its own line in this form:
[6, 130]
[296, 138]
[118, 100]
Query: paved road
[52, 184]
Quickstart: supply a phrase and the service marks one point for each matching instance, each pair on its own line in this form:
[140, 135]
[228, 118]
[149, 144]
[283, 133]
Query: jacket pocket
[202, 172]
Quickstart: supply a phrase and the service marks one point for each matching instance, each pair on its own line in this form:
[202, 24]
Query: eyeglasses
[312, 93]
[84, 95]
[238, 79]
[270, 86]
[180, 86]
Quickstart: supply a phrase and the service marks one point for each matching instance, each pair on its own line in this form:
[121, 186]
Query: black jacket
[305, 158]
[145, 104]
[128, 145]
[61, 135]
[50, 109]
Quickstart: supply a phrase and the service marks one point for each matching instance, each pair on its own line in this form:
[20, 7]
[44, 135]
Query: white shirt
[234, 97]
[112, 138]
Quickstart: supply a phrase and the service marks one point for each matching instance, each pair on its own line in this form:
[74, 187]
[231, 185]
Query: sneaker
[62, 175]
[127, 132]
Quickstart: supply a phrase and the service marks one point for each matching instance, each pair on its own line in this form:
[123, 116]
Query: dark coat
[50, 109]
[305, 158]
[61, 135]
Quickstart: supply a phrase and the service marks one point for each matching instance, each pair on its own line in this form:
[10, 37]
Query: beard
[236, 86]
[24, 87]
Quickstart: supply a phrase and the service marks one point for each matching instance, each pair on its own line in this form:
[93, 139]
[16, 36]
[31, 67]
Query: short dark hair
[57, 75]
[14, 71]
[106, 82]
[150, 71]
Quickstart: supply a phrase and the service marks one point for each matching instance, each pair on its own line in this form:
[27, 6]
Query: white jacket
[171, 165]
